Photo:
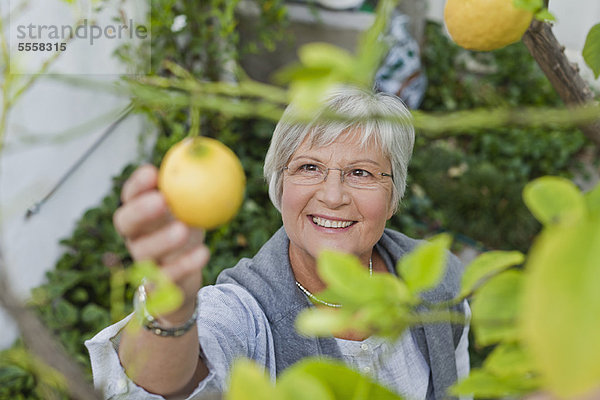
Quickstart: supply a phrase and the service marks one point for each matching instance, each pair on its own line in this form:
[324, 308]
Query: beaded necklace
[315, 298]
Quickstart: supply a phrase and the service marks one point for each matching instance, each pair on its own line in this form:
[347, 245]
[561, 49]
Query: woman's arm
[231, 324]
[169, 366]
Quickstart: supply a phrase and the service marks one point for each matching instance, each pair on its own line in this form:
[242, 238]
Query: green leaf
[163, 296]
[592, 200]
[591, 50]
[544, 15]
[529, 5]
[388, 321]
[552, 199]
[343, 274]
[308, 379]
[371, 48]
[300, 385]
[507, 371]
[561, 306]
[536, 7]
[321, 66]
[141, 271]
[487, 265]
[496, 308]
[307, 95]
[297, 73]
[380, 288]
[327, 56]
[389, 289]
[341, 381]
[322, 322]
[164, 299]
[424, 267]
[248, 381]
[509, 359]
[483, 384]
[480, 383]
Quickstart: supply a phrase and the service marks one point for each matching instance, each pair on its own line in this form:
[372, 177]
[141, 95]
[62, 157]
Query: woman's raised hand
[152, 233]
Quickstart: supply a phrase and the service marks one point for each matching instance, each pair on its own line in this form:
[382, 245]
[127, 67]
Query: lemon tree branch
[564, 76]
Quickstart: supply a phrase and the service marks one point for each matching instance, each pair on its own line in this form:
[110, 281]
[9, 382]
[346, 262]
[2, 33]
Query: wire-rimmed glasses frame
[356, 176]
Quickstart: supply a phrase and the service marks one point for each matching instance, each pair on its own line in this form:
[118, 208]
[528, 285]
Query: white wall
[574, 20]
[29, 171]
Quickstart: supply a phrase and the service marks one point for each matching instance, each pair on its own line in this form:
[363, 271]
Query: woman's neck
[304, 267]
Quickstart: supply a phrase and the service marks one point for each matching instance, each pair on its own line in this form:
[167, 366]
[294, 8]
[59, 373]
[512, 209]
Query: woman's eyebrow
[364, 160]
[353, 162]
[306, 157]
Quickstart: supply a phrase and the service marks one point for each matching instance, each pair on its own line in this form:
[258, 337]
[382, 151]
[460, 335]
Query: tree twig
[564, 76]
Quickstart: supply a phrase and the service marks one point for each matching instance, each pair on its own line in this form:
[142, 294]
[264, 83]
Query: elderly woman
[335, 184]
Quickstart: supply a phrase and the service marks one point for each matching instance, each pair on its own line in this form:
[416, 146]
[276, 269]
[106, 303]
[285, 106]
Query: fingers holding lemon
[202, 181]
[485, 25]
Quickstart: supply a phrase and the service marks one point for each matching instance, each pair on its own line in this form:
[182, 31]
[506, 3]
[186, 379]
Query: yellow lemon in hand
[485, 25]
[203, 182]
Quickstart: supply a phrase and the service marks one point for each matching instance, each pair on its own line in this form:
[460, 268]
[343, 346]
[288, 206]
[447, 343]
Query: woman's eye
[308, 168]
[360, 173]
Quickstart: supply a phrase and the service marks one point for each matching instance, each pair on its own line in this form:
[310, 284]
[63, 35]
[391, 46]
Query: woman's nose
[332, 191]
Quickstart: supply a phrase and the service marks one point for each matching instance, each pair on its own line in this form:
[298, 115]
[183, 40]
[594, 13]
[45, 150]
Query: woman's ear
[391, 209]
[390, 214]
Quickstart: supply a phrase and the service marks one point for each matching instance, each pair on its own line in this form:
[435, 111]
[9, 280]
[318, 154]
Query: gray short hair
[395, 138]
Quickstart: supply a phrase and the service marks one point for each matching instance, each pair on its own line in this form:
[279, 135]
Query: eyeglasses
[302, 172]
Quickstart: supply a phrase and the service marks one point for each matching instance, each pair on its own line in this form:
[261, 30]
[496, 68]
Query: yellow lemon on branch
[485, 25]
[203, 182]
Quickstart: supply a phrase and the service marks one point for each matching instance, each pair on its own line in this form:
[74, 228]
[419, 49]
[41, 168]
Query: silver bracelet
[150, 323]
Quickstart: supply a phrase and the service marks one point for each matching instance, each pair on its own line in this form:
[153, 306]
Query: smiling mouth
[328, 223]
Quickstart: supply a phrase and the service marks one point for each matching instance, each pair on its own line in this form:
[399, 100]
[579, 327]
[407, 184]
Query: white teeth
[327, 223]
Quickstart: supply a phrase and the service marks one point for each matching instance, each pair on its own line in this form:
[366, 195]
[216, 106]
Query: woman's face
[332, 215]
